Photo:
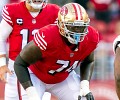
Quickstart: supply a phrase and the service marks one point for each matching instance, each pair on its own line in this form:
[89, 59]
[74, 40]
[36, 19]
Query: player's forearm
[85, 78]
[86, 71]
[5, 30]
[3, 47]
[86, 67]
[22, 72]
[23, 76]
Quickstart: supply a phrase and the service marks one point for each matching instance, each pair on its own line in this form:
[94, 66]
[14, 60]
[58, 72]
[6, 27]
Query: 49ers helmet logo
[64, 11]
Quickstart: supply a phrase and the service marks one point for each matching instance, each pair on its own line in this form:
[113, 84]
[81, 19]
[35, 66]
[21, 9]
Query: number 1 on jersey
[25, 36]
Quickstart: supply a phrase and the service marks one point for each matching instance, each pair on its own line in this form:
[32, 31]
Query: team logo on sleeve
[19, 21]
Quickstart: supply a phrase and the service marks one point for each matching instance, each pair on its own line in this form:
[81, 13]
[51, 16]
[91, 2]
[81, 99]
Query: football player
[116, 49]
[20, 21]
[55, 52]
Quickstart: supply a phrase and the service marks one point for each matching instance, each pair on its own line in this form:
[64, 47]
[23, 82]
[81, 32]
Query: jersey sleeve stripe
[41, 38]
[39, 42]
[3, 14]
[5, 10]
[6, 16]
[6, 19]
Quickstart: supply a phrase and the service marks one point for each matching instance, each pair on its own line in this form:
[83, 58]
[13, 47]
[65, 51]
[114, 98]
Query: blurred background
[105, 17]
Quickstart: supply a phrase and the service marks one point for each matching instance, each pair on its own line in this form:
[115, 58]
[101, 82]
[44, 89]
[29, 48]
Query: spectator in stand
[101, 8]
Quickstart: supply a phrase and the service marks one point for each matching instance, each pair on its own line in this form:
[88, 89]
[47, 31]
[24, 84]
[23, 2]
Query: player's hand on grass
[79, 97]
[88, 96]
[85, 91]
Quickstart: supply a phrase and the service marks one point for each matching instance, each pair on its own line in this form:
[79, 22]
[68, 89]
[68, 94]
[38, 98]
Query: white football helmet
[37, 4]
[73, 22]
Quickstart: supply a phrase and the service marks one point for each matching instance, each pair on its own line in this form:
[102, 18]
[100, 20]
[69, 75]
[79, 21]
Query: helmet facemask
[37, 4]
[74, 31]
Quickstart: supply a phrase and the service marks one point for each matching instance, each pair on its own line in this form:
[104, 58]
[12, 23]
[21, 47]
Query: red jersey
[24, 25]
[58, 60]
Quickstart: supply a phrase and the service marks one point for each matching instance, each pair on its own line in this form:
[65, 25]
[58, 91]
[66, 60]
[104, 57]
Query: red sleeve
[39, 39]
[7, 14]
[45, 39]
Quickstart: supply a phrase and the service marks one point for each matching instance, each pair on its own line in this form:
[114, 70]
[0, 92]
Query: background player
[19, 23]
[116, 49]
[56, 51]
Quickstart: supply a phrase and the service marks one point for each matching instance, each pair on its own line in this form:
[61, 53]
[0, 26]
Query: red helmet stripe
[78, 12]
